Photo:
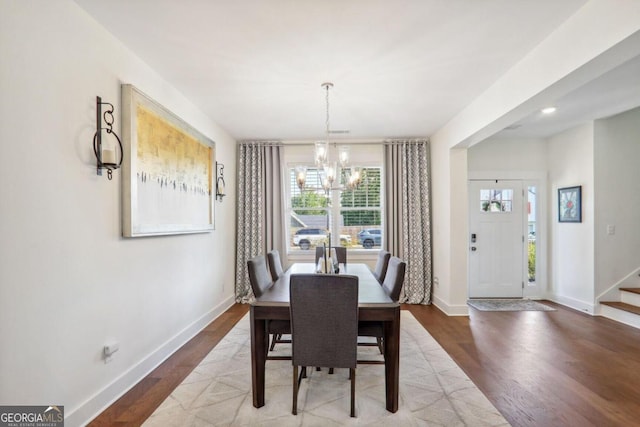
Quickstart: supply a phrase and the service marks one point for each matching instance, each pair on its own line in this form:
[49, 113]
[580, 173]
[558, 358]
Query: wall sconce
[220, 181]
[108, 154]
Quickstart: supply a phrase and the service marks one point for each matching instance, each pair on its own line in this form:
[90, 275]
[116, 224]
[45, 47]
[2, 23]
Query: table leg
[258, 358]
[392, 360]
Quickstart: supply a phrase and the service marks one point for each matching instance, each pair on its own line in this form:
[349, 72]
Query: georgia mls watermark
[32, 416]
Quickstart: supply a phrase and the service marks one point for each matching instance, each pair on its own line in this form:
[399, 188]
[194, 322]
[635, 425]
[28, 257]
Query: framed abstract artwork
[167, 172]
[570, 204]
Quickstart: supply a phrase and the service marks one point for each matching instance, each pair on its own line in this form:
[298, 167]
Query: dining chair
[260, 280]
[324, 326]
[341, 253]
[392, 284]
[275, 265]
[382, 264]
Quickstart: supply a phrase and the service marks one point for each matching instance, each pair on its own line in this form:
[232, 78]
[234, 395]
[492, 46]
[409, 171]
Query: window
[495, 200]
[353, 215]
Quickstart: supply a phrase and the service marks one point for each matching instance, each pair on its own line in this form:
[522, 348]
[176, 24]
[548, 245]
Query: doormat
[508, 305]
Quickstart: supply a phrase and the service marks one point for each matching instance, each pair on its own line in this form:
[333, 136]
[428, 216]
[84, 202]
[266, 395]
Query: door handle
[473, 248]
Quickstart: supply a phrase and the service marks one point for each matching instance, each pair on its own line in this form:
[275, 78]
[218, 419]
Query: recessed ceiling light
[548, 110]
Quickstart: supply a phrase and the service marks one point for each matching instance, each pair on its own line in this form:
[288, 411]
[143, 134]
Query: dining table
[374, 304]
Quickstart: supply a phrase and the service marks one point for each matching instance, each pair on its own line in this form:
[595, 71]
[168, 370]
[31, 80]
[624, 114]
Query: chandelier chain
[327, 120]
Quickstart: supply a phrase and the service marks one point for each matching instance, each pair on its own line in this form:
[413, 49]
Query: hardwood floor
[561, 368]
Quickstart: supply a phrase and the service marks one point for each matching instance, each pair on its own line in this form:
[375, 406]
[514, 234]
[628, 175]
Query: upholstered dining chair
[275, 265]
[324, 326]
[382, 264]
[260, 280]
[392, 284]
[341, 253]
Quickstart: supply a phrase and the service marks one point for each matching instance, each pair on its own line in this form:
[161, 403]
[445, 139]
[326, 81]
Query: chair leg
[294, 405]
[380, 345]
[352, 374]
[330, 371]
[274, 338]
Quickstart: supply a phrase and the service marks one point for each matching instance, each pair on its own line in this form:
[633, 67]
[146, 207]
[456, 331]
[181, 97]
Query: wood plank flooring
[560, 368]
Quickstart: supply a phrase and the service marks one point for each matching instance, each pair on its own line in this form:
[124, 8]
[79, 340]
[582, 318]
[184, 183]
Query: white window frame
[369, 156]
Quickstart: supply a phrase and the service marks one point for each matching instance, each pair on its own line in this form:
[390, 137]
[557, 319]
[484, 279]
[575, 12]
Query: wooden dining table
[373, 304]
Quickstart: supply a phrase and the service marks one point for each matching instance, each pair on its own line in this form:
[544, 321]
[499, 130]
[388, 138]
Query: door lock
[473, 248]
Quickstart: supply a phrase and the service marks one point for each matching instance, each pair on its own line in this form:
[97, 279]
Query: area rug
[508, 305]
[433, 389]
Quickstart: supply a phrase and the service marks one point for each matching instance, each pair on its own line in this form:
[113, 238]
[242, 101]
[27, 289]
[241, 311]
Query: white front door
[496, 239]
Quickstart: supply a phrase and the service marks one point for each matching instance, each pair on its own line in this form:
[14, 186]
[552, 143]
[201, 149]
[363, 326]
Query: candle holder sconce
[220, 181]
[108, 154]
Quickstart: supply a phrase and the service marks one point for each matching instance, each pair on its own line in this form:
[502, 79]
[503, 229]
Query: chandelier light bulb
[344, 156]
[321, 153]
[301, 176]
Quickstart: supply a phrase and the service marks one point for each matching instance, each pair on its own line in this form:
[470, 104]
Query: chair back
[259, 276]
[380, 270]
[275, 265]
[394, 278]
[341, 253]
[324, 320]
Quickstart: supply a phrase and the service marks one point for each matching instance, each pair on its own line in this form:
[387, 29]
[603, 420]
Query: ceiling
[400, 68]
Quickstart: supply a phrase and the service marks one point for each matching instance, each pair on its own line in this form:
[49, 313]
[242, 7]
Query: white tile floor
[433, 390]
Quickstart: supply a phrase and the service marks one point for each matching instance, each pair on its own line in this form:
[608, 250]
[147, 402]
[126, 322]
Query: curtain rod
[336, 143]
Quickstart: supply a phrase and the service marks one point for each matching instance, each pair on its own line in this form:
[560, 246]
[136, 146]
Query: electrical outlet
[108, 350]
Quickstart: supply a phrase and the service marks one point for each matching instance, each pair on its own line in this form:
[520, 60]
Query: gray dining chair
[392, 284]
[275, 265]
[260, 280]
[380, 270]
[341, 253]
[324, 326]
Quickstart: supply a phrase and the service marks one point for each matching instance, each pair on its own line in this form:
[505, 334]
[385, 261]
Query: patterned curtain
[408, 214]
[260, 218]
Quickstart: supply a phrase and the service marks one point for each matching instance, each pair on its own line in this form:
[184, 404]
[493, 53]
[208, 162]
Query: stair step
[622, 306]
[632, 290]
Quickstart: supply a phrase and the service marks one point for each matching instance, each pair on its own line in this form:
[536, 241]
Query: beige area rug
[434, 391]
[508, 305]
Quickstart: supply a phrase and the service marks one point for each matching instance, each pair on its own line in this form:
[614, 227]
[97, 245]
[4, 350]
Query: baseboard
[104, 398]
[450, 310]
[583, 306]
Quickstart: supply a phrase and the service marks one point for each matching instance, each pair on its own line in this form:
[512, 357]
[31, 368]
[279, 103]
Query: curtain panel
[260, 218]
[408, 214]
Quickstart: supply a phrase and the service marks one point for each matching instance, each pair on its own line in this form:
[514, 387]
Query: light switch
[611, 230]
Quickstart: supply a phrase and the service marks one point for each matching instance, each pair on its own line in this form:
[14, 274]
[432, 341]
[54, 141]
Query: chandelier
[329, 170]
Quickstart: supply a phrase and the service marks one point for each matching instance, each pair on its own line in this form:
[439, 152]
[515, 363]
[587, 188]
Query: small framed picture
[570, 204]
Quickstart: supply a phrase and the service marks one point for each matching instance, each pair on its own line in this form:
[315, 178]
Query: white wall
[571, 264]
[617, 202]
[68, 282]
[516, 155]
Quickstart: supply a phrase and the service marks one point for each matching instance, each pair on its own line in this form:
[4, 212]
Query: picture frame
[570, 204]
[167, 173]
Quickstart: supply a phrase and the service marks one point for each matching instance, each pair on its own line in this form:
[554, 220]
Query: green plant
[532, 261]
